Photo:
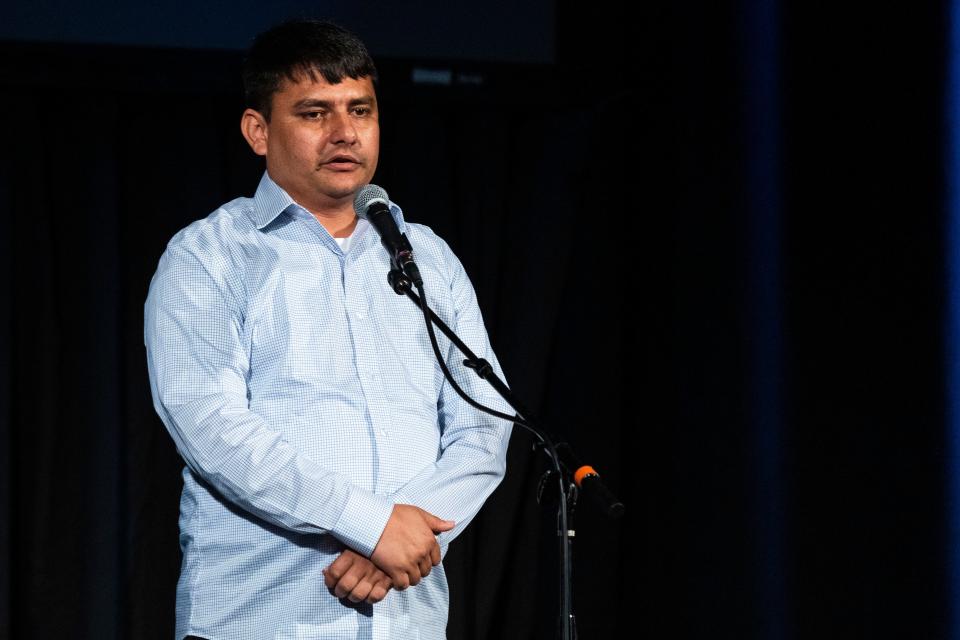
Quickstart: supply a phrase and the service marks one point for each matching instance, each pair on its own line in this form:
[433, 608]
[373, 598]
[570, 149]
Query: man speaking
[328, 462]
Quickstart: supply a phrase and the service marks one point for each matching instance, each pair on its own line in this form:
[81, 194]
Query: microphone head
[368, 195]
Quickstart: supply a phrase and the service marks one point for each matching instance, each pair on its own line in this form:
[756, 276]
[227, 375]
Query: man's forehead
[305, 87]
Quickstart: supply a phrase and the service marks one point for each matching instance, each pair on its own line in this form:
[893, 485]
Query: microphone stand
[566, 488]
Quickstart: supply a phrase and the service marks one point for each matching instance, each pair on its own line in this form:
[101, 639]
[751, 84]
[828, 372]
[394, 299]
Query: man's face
[323, 140]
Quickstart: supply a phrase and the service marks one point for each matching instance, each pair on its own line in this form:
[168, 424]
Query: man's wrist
[362, 521]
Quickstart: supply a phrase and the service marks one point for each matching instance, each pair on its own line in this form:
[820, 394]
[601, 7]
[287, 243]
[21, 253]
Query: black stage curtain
[602, 207]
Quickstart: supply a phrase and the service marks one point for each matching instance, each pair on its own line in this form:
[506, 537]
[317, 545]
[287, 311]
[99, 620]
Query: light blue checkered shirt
[304, 396]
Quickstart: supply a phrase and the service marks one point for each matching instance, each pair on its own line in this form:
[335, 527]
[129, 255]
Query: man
[329, 463]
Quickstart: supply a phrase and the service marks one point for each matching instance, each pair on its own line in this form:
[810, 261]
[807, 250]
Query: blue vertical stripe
[762, 137]
[952, 329]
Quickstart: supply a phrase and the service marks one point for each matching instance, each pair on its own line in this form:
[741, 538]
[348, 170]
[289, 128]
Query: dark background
[708, 242]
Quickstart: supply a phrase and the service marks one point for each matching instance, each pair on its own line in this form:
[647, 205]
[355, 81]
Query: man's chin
[346, 190]
[344, 194]
[337, 191]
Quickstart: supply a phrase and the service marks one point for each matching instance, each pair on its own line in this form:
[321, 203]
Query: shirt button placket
[364, 341]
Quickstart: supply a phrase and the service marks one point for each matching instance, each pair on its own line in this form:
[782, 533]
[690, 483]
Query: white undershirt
[344, 243]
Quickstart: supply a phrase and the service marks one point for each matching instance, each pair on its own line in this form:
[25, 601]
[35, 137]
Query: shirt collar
[271, 200]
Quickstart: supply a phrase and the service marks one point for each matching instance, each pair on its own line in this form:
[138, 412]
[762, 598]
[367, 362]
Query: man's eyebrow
[326, 104]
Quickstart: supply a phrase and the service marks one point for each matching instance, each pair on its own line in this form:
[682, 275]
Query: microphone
[587, 478]
[371, 204]
[592, 486]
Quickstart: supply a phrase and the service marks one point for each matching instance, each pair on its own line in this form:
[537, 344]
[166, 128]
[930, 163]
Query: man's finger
[380, 589]
[415, 576]
[425, 567]
[346, 584]
[400, 580]
[378, 593]
[438, 525]
[339, 567]
[361, 591]
[435, 554]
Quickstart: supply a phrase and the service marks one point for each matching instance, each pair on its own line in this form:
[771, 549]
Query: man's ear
[254, 128]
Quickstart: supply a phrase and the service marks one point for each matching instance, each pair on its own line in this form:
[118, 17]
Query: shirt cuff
[363, 520]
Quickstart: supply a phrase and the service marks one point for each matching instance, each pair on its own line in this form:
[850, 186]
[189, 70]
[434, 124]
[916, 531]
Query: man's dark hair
[297, 48]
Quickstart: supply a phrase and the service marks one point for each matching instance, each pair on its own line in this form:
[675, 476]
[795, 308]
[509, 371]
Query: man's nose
[342, 129]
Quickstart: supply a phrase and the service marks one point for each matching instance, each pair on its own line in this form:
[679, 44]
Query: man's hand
[408, 548]
[356, 578]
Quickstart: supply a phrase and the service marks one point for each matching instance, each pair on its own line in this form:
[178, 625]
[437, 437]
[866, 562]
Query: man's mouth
[342, 162]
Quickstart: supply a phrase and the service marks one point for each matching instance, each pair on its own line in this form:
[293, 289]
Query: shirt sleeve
[199, 368]
[473, 443]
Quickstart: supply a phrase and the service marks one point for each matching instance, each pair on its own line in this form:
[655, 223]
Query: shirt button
[361, 315]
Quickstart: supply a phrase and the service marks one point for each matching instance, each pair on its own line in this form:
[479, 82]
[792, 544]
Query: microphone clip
[481, 366]
[399, 281]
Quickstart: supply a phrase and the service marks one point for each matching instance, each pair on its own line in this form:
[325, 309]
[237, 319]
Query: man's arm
[473, 444]
[198, 374]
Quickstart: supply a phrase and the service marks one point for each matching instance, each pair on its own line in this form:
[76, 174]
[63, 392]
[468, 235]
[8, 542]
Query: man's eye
[362, 111]
[312, 115]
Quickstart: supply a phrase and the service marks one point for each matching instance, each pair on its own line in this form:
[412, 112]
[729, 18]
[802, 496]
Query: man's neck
[340, 226]
[337, 217]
